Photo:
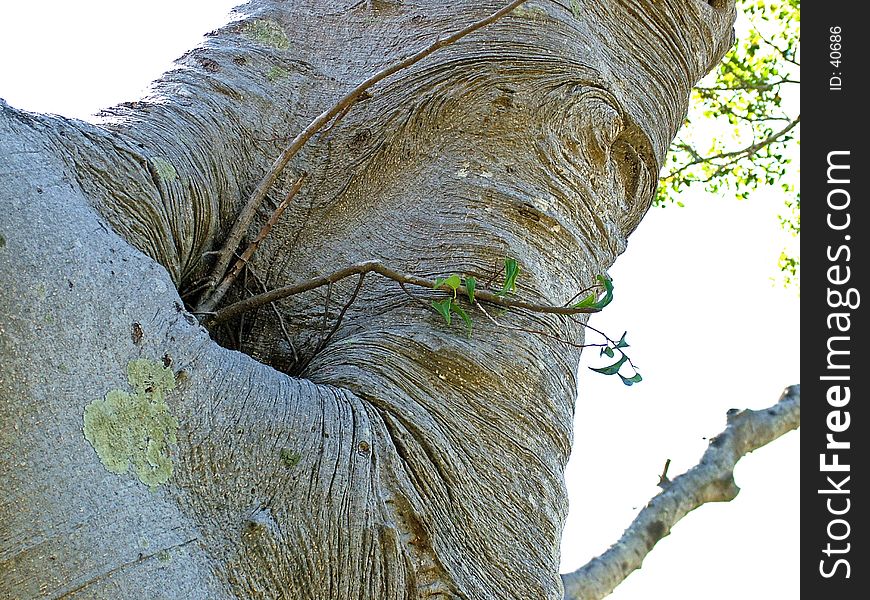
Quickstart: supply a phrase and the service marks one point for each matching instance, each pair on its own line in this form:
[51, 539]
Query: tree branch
[762, 87]
[373, 266]
[744, 152]
[339, 108]
[220, 291]
[712, 480]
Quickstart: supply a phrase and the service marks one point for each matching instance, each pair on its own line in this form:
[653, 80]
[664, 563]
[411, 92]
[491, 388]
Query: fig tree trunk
[293, 453]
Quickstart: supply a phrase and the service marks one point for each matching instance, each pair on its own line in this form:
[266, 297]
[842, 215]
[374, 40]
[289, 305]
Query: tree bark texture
[401, 459]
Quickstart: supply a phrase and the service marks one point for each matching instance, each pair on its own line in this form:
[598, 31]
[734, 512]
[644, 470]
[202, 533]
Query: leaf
[470, 286]
[606, 350]
[443, 308]
[622, 343]
[590, 301]
[587, 301]
[607, 282]
[464, 315]
[611, 369]
[511, 270]
[636, 378]
[453, 282]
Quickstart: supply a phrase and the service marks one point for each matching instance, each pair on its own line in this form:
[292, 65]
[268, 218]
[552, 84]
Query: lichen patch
[277, 73]
[164, 169]
[268, 33]
[135, 429]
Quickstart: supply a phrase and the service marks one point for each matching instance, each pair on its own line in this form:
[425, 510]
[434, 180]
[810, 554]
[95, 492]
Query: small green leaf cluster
[611, 350]
[450, 305]
[458, 285]
[592, 301]
[454, 283]
[742, 131]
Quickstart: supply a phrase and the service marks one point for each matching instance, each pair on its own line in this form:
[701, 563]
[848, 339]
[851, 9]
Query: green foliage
[590, 301]
[741, 134]
[611, 349]
[511, 271]
[462, 314]
[447, 307]
[443, 307]
[470, 286]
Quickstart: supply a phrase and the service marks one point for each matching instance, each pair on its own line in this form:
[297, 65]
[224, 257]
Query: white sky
[706, 327]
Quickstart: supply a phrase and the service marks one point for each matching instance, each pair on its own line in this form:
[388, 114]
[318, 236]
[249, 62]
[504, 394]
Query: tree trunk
[402, 458]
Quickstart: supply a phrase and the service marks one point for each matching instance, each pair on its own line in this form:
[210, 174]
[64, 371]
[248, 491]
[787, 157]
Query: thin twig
[761, 87]
[374, 266]
[326, 308]
[211, 300]
[580, 293]
[664, 481]
[533, 331]
[413, 297]
[277, 312]
[337, 323]
[256, 198]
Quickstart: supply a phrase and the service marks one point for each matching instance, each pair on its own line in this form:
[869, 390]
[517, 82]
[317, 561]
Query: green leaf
[464, 315]
[590, 301]
[453, 282]
[607, 282]
[636, 378]
[443, 308]
[587, 301]
[606, 350]
[611, 369]
[511, 270]
[622, 343]
[470, 286]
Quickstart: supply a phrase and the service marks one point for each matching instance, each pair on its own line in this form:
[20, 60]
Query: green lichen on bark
[135, 429]
[276, 73]
[290, 458]
[268, 33]
[164, 169]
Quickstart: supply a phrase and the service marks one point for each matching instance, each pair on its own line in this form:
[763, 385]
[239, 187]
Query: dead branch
[230, 278]
[746, 152]
[711, 480]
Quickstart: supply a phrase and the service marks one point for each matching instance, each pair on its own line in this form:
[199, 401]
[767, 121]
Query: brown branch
[211, 300]
[258, 195]
[374, 266]
[336, 325]
[712, 480]
[743, 152]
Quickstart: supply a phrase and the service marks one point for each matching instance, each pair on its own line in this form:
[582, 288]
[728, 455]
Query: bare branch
[217, 295]
[258, 195]
[533, 331]
[712, 480]
[743, 152]
[762, 87]
[337, 324]
[374, 266]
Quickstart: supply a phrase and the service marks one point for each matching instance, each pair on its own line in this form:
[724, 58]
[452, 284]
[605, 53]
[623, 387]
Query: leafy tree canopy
[742, 130]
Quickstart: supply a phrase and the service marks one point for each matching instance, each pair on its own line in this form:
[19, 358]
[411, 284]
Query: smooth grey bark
[402, 459]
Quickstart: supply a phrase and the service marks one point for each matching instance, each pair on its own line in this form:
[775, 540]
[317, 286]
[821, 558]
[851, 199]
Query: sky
[707, 327]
